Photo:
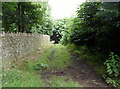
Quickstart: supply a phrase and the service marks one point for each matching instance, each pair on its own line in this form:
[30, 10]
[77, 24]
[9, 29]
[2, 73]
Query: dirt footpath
[81, 73]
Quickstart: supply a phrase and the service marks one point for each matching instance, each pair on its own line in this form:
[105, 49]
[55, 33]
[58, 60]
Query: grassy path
[52, 66]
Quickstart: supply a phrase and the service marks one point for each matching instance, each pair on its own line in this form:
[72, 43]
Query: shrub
[113, 65]
[113, 70]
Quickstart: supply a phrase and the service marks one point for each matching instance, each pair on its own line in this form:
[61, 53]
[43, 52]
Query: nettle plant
[113, 70]
[113, 65]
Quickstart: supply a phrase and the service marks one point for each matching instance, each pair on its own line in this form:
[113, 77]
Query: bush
[113, 70]
[97, 27]
[113, 65]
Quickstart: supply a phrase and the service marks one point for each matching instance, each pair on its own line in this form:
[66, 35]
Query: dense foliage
[61, 30]
[25, 17]
[97, 27]
[113, 70]
[59, 26]
[0, 15]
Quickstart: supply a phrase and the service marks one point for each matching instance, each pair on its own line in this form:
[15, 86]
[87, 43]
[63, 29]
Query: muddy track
[45, 76]
[80, 72]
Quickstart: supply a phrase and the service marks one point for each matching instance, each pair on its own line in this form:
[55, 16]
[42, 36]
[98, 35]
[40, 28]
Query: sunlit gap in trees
[64, 8]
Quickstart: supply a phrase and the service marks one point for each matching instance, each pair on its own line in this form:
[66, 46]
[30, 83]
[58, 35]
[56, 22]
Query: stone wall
[16, 45]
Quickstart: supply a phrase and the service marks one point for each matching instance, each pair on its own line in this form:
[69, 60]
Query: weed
[39, 66]
[113, 70]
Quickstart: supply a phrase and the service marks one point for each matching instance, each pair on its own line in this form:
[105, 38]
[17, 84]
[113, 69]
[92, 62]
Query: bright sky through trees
[64, 8]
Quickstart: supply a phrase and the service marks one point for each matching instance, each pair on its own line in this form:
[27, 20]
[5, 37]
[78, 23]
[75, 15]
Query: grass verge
[18, 78]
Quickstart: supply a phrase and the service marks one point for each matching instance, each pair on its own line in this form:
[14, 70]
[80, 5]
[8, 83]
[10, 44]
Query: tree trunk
[19, 15]
[21, 26]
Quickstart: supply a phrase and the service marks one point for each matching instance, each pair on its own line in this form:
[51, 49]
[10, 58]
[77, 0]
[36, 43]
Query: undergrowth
[92, 59]
[113, 70]
[109, 69]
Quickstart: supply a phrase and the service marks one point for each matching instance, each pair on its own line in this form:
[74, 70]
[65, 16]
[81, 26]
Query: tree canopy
[24, 16]
[97, 26]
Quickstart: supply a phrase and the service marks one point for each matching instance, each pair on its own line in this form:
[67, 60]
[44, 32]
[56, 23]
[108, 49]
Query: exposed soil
[80, 72]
